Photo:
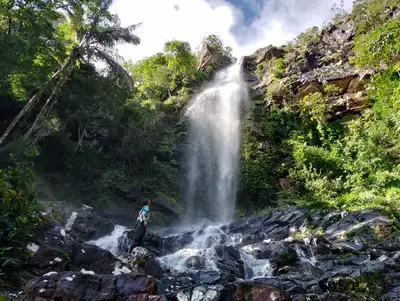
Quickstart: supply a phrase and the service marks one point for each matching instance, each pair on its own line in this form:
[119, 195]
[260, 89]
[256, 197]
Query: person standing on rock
[142, 222]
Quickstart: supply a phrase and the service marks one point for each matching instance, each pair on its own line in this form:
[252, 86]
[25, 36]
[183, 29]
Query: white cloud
[191, 20]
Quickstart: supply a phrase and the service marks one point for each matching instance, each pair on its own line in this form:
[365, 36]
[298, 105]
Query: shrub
[379, 47]
[19, 217]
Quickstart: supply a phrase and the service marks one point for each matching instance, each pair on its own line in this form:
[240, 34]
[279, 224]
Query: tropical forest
[272, 176]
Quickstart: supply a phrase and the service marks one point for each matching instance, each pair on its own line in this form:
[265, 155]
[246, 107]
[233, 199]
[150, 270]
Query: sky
[245, 25]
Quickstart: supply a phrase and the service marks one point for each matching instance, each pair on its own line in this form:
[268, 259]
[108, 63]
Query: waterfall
[213, 147]
[110, 242]
[70, 222]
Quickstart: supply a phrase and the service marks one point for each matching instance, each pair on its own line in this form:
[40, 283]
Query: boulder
[307, 89]
[88, 286]
[259, 293]
[196, 263]
[211, 58]
[142, 261]
[266, 54]
[92, 258]
[210, 293]
[268, 251]
[54, 236]
[152, 242]
[348, 102]
[228, 259]
[90, 225]
[46, 259]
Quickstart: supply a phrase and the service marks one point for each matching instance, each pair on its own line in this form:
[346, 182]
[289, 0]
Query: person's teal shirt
[144, 214]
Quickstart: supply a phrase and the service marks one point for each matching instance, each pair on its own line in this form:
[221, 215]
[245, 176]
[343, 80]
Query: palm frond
[100, 13]
[113, 64]
[110, 36]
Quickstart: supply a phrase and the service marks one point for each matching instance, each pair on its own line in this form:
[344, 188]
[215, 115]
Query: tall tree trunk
[71, 59]
[42, 112]
[81, 135]
[45, 108]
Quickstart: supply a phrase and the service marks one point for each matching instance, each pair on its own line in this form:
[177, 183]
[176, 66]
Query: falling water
[110, 242]
[71, 220]
[214, 139]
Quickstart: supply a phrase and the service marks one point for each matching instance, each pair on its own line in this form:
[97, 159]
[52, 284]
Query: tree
[96, 33]
[217, 44]
[30, 47]
[160, 76]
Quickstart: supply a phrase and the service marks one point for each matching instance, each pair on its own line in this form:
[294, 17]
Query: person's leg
[134, 240]
[139, 234]
[142, 235]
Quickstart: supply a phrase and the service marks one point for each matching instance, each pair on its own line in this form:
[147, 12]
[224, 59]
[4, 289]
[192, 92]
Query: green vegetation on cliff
[325, 155]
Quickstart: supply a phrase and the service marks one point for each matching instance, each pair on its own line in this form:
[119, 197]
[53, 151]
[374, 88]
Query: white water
[202, 246]
[303, 257]
[71, 220]
[110, 242]
[256, 268]
[214, 141]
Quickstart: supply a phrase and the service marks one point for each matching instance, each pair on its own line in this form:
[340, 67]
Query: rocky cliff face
[289, 254]
[323, 60]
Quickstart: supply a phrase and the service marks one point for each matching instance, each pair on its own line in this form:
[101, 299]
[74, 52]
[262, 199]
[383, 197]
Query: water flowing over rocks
[288, 254]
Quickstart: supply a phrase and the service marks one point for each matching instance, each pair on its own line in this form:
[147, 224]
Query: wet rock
[376, 253]
[174, 243]
[266, 250]
[54, 236]
[259, 293]
[390, 244]
[196, 263]
[92, 258]
[357, 223]
[211, 277]
[152, 242]
[141, 260]
[84, 286]
[46, 259]
[286, 258]
[392, 295]
[229, 260]
[342, 284]
[90, 225]
[210, 293]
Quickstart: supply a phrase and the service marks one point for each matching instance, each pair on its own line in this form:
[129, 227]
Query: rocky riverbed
[288, 254]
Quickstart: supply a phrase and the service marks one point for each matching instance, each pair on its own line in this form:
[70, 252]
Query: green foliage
[358, 169]
[339, 12]
[217, 44]
[275, 68]
[332, 90]
[316, 106]
[30, 47]
[348, 163]
[311, 35]
[19, 217]
[307, 232]
[160, 76]
[369, 14]
[261, 154]
[379, 47]
[368, 286]
[287, 258]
